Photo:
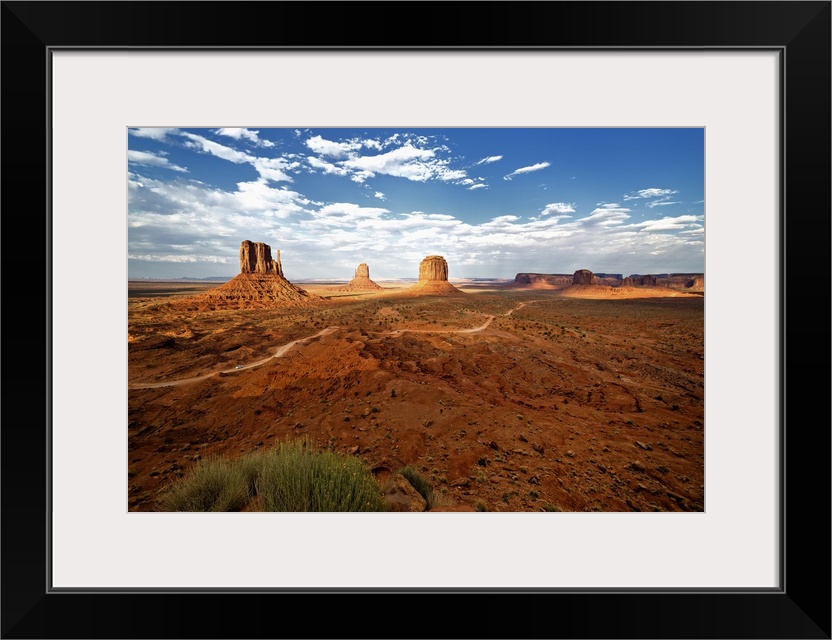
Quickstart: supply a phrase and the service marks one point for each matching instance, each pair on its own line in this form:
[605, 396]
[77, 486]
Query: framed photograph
[109, 104]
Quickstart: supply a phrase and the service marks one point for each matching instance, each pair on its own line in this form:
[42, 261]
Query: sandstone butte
[433, 278]
[260, 284]
[361, 281]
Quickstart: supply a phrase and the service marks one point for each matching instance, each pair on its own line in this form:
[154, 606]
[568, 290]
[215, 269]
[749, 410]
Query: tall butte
[361, 281]
[433, 278]
[260, 283]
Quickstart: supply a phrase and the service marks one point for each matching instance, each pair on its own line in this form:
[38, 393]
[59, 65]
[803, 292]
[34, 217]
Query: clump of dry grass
[290, 477]
[214, 484]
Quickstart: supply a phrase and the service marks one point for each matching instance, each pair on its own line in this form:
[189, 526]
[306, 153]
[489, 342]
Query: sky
[493, 201]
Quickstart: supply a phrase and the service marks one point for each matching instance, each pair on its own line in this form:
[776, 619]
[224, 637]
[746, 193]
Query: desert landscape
[551, 392]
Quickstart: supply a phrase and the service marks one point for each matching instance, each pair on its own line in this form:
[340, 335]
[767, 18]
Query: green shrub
[421, 485]
[296, 478]
[291, 477]
[251, 467]
[214, 484]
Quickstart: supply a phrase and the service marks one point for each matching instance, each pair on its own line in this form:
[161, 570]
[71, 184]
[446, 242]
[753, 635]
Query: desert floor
[503, 399]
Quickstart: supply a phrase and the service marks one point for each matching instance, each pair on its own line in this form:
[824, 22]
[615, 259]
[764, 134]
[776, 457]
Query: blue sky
[494, 202]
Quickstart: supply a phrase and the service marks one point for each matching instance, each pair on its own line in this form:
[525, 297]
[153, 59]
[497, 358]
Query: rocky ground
[503, 400]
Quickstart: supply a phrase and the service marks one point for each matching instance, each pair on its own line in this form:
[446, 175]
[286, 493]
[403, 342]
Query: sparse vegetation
[421, 485]
[290, 477]
[214, 484]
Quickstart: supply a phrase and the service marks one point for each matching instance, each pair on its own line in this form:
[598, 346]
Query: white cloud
[258, 196]
[605, 216]
[268, 168]
[448, 175]
[241, 133]
[660, 203]
[347, 212]
[650, 193]
[559, 208]
[499, 220]
[337, 150]
[205, 145]
[154, 133]
[489, 159]
[326, 167]
[148, 158]
[179, 258]
[530, 168]
[380, 195]
[476, 186]
[669, 224]
[273, 168]
[404, 162]
[202, 210]
[408, 157]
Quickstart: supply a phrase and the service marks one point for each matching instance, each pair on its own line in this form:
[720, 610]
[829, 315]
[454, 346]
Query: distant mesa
[697, 283]
[583, 276]
[361, 281]
[639, 281]
[681, 281]
[542, 280]
[691, 282]
[260, 284]
[433, 278]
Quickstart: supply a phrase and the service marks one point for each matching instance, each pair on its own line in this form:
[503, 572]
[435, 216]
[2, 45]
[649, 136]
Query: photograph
[450, 276]
[455, 319]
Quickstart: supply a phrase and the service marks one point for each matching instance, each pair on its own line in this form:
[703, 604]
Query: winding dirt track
[284, 349]
[279, 353]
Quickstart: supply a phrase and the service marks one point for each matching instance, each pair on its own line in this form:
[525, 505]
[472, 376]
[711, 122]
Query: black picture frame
[800, 31]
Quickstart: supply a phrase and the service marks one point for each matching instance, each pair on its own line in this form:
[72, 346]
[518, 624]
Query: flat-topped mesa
[636, 280]
[678, 281]
[433, 278]
[256, 257]
[433, 269]
[362, 271]
[583, 276]
[542, 280]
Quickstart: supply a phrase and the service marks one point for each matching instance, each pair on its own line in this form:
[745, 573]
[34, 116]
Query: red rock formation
[583, 276]
[698, 283]
[639, 281]
[361, 281]
[433, 278]
[260, 284]
[256, 257]
[432, 269]
[259, 290]
[542, 280]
